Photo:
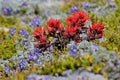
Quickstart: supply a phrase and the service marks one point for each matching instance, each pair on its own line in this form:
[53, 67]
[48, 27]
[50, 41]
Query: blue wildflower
[35, 22]
[7, 69]
[7, 10]
[15, 71]
[86, 6]
[72, 50]
[45, 78]
[26, 42]
[94, 47]
[22, 64]
[12, 31]
[33, 56]
[74, 9]
[50, 48]
[32, 77]
[23, 33]
[24, 4]
[36, 50]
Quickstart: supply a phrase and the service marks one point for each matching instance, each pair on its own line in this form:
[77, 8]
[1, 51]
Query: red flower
[96, 30]
[54, 25]
[77, 19]
[70, 31]
[50, 29]
[77, 40]
[39, 34]
[41, 37]
[81, 15]
[39, 31]
[71, 20]
[66, 34]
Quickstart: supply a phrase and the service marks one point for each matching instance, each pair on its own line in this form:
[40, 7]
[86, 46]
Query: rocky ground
[79, 74]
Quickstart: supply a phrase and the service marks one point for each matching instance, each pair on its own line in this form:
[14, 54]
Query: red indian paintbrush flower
[39, 34]
[54, 25]
[96, 30]
[70, 31]
[77, 19]
[41, 37]
[71, 21]
[81, 15]
[78, 28]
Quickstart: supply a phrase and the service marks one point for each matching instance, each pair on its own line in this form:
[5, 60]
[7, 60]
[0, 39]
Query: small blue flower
[12, 31]
[94, 47]
[86, 6]
[45, 78]
[74, 9]
[7, 69]
[32, 77]
[26, 42]
[24, 4]
[22, 64]
[36, 50]
[15, 71]
[50, 48]
[23, 33]
[72, 50]
[35, 22]
[7, 10]
[33, 56]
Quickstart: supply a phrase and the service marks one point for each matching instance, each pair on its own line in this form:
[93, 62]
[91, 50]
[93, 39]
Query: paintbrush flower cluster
[77, 27]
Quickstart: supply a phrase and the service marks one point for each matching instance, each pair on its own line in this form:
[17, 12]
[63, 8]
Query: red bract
[39, 31]
[39, 34]
[71, 21]
[41, 37]
[81, 15]
[70, 31]
[96, 30]
[78, 40]
[54, 25]
[77, 19]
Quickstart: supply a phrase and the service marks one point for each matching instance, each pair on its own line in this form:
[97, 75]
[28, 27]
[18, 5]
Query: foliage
[8, 22]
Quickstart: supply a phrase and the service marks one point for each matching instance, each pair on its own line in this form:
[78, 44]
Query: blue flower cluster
[23, 33]
[34, 56]
[25, 3]
[7, 10]
[74, 8]
[12, 31]
[7, 69]
[26, 42]
[22, 64]
[86, 6]
[35, 22]
[72, 50]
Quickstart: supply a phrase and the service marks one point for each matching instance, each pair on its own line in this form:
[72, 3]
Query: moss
[8, 22]
[7, 49]
[58, 66]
